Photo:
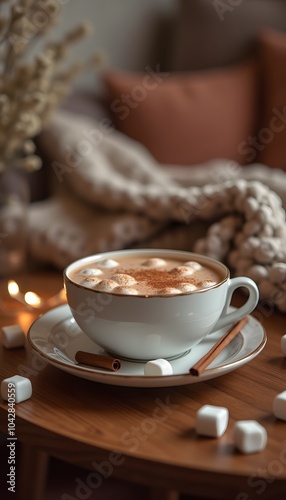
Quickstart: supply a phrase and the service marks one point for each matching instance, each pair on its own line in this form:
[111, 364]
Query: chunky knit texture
[109, 193]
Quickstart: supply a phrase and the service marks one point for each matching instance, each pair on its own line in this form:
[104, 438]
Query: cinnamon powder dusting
[138, 276]
[159, 279]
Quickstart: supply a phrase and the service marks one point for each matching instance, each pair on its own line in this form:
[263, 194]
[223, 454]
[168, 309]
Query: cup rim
[157, 251]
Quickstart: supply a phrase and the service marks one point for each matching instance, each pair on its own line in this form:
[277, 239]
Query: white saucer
[55, 337]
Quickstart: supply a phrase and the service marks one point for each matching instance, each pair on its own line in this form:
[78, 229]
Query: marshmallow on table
[212, 420]
[158, 367]
[283, 344]
[12, 336]
[279, 406]
[249, 436]
[23, 388]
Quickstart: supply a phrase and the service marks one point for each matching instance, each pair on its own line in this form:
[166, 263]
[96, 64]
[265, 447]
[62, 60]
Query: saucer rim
[97, 374]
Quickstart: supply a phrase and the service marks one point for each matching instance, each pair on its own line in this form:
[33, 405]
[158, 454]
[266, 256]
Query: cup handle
[228, 318]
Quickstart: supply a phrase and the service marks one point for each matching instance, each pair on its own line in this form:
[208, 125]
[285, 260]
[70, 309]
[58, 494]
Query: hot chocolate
[148, 304]
[138, 275]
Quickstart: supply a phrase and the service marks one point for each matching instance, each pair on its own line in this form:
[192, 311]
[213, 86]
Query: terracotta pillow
[186, 118]
[271, 138]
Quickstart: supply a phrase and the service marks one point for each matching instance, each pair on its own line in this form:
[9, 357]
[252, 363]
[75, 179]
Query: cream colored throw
[109, 193]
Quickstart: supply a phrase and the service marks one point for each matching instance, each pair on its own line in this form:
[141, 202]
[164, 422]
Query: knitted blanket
[109, 193]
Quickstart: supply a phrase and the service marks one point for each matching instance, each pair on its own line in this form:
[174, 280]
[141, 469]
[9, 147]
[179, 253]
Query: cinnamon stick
[200, 366]
[88, 358]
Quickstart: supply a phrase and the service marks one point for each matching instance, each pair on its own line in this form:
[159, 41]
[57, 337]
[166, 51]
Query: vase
[14, 202]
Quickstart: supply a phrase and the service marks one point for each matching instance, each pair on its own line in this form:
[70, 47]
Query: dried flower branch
[30, 90]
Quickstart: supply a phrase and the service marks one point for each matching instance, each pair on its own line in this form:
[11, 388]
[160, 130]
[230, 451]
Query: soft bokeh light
[33, 299]
[13, 288]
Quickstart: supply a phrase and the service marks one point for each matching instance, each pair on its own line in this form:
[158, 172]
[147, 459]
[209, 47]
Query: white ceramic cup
[144, 328]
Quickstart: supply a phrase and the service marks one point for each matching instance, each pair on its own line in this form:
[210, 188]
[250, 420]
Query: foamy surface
[140, 276]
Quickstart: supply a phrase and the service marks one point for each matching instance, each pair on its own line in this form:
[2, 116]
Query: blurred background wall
[124, 30]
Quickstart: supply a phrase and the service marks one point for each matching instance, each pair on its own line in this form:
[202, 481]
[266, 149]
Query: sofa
[220, 92]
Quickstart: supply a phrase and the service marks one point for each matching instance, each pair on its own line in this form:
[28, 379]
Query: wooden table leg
[32, 473]
[159, 494]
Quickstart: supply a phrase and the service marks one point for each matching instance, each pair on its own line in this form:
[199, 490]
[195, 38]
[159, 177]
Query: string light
[32, 300]
[14, 291]
[13, 288]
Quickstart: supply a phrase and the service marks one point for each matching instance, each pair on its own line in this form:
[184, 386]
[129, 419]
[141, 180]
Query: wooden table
[147, 435]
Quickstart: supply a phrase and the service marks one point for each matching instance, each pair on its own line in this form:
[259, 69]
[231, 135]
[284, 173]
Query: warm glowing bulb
[13, 287]
[32, 299]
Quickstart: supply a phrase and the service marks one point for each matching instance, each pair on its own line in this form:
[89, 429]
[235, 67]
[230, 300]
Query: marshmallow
[124, 279]
[125, 290]
[90, 281]
[19, 391]
[212, 420]
[108, 263]
[249, 436]
[154, 262]
[169, 291]
[13, 336]
[183, 271]
[158, 367]
[207, 283]
[193, 265]
[106, 285]
[91, 272]
[279, 405]
[283, 344]
[187, 287]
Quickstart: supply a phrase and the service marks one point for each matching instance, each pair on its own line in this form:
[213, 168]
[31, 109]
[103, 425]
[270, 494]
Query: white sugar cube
[249, 436]
[212, 420]
[16, 389]
[283, 344]
[12, 336]
[158, 367]
[279, 405]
